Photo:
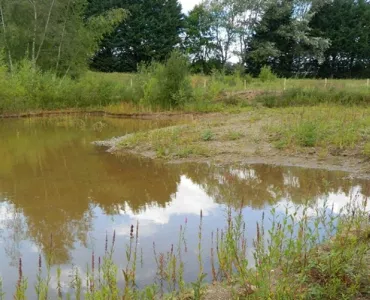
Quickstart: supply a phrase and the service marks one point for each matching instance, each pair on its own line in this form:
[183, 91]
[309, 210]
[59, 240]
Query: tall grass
[316, 96]
[28, 89]
[302, 253]
[333, 127]
[164, 86]
[167, 86]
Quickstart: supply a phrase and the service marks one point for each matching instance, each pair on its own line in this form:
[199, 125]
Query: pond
[55, 183]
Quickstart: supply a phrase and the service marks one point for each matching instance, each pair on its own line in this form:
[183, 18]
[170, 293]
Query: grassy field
[234, 83]
[156, 89]
[328, 134]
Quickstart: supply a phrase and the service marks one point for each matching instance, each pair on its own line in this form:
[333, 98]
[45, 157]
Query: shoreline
[234, 139]
[229, 151]
[103, 113]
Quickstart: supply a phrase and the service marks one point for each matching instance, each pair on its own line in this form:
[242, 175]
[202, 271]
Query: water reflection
[52, 180]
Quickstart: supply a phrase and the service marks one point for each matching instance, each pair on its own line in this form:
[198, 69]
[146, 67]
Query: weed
[266, 74]
[234, 135]
[207, 135]
[333, 127]
[307, 134]
[21, 288]
[366, 150]
[306, 96]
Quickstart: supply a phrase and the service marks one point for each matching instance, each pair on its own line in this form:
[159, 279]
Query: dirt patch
[226, 291]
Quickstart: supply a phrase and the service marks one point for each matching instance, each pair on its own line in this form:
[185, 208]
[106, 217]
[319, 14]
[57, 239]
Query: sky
[188, 4]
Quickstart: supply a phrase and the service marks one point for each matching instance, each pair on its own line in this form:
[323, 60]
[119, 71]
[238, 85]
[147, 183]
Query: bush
[207, 135]
[30, 89]
[266, 74]
[307, 134]
[168, 85]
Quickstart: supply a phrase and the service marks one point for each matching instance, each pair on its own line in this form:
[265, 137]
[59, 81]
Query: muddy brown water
[54, 181]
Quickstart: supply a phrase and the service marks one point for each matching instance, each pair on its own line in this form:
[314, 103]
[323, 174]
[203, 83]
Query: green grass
[233, 135]
[334, 127]
[304, 253]
[313, 96]
[171, 142]
[207, 135]
[329, 129]
[149, 91]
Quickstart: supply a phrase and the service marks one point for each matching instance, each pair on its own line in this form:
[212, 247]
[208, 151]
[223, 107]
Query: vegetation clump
[266, 74]
[168, 84]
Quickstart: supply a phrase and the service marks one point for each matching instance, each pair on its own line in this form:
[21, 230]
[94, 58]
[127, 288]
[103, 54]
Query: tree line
[303, 38]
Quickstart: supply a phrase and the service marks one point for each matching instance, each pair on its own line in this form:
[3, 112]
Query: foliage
[234, 135]
[334, 128]
[315, 96]
[149, 34]
[168, 84]
[283, 40]
[207, 135]
[215, 30]
[266, 74]
[347, 24]
[28, 89]
[199, 40]
[54, 35]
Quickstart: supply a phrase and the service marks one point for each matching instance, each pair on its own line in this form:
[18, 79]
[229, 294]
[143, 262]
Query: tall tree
[151, 32]
[199, 42]
[217, 30]
[284, 41]
[347, 24]
[54, 34]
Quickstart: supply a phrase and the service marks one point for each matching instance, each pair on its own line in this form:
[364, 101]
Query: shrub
[266, 74]
[207, 135]
[168, 85]
[307, 134]
[31, 89]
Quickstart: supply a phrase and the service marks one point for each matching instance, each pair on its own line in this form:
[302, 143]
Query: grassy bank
[167, 87]
[302, 253]
[323, 133]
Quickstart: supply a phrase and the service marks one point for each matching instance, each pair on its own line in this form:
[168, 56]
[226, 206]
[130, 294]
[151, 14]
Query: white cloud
[187, 5]
[189, 199]
[338, 202]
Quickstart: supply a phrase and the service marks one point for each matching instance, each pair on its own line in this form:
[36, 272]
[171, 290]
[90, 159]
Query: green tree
[199, 42]
[284, 41]
[217, 30]
[150, 33]
[347, 24]
[54, 35]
